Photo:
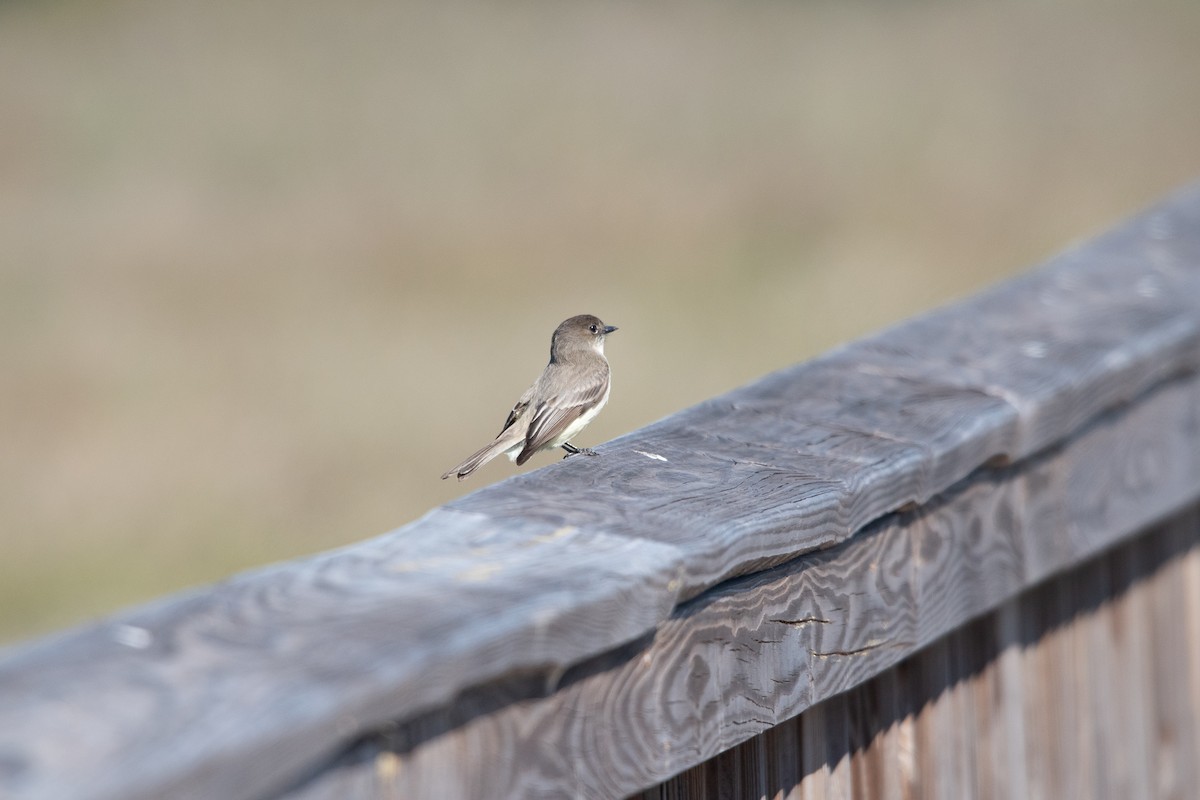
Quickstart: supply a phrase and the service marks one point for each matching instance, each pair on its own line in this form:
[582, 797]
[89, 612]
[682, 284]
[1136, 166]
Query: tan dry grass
[267, 269]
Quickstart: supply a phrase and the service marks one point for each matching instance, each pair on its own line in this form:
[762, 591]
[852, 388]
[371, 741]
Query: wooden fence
[959, 558]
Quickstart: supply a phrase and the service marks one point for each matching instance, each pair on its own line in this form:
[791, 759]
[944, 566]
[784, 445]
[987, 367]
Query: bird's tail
[481, 457]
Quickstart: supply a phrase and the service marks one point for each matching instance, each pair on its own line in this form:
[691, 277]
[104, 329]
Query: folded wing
[554, 416]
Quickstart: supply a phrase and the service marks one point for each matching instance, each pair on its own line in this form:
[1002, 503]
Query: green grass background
[267, 269]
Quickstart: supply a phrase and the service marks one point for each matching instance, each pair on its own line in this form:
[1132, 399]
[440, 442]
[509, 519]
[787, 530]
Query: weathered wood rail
[734, 595]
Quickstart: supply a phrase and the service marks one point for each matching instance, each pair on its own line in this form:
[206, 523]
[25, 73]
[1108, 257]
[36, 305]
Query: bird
[568, 395]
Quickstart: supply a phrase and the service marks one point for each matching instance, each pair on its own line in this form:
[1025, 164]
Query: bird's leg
[572, 450]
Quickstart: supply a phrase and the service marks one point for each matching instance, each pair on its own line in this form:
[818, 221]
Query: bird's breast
[582, 422]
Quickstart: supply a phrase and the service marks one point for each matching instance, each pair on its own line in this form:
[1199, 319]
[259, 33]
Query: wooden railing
[596, 627]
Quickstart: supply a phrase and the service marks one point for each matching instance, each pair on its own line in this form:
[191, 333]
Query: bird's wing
[555, 415]
[520, 407]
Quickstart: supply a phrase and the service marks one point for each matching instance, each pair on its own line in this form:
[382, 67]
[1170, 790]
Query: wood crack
[858, 651]
[800, 621]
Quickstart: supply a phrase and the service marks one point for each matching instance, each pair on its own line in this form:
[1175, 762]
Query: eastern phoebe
[567, 396]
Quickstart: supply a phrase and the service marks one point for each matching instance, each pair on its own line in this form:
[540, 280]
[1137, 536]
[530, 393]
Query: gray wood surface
[243, 688]
[754, 652]
[229, 691]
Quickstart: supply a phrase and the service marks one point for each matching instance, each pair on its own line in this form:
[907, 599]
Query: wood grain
[1024, 703]
[1080, 375]
[758, 650]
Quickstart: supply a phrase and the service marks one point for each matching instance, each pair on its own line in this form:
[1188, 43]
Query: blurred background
[267, 269]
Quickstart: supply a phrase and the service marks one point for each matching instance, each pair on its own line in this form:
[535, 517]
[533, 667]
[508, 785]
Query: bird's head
[584, 332]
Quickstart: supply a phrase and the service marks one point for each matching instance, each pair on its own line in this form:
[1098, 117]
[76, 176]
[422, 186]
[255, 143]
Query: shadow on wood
[856, 739]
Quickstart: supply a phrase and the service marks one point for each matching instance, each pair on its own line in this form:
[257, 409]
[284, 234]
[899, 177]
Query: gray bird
[566, 397]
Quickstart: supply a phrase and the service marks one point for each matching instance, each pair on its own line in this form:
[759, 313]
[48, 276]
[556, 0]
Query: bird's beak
[609, 329]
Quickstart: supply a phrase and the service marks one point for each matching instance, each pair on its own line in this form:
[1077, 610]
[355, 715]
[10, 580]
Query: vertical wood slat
[1175, 614]
[1084, 686]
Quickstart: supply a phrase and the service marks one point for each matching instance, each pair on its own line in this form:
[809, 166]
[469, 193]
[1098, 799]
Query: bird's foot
[572, 450]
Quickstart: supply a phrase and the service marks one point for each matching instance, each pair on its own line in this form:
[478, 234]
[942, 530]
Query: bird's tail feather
[480, 457]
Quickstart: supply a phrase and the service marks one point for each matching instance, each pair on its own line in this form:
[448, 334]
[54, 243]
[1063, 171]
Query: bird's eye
[592, 328]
